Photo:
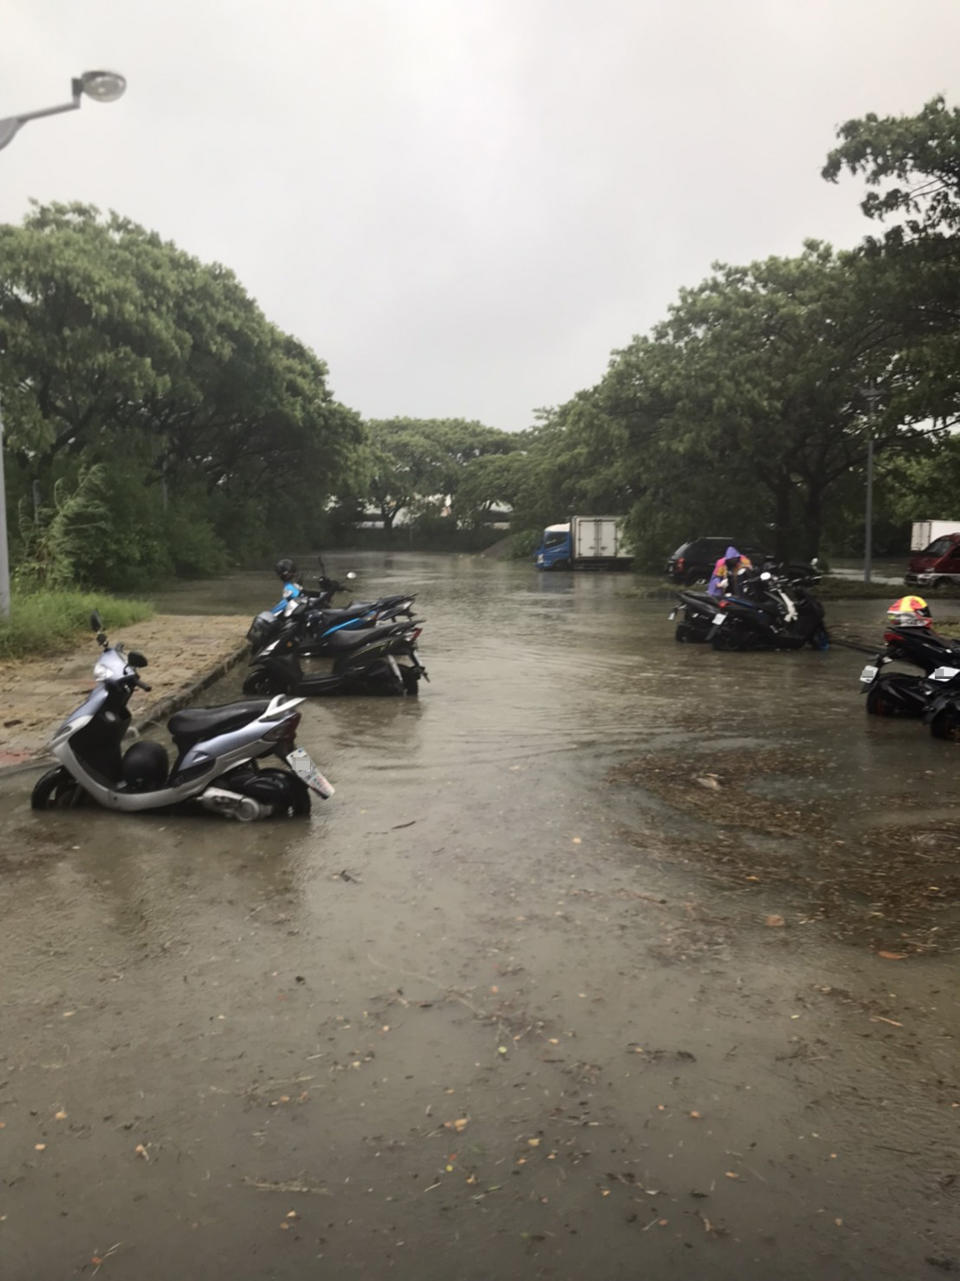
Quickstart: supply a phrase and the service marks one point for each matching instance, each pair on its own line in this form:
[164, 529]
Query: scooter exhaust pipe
[233, 805]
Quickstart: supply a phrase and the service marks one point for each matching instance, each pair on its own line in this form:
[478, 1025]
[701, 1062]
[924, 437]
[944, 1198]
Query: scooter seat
[206, 722]
[355, 638]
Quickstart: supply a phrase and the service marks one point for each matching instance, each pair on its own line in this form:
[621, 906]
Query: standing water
[611, 957]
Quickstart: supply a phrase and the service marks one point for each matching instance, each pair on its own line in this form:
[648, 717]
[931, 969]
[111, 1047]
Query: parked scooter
[376, 659]
[269, 623]
[772, 609]
[218, 753]
[906, 694]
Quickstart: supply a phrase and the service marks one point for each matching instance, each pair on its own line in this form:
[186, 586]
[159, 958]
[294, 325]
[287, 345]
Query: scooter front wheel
[56, 790]
[260, 684]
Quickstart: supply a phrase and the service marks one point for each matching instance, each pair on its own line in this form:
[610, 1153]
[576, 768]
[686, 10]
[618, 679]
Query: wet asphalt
[610, 957]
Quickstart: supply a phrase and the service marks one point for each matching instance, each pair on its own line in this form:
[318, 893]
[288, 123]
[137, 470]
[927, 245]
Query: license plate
[718, 619]
[301, 764]
[868, 675]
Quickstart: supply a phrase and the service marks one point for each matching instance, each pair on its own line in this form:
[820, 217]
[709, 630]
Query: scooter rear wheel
[946, 724]
[688, 635]
[883, 701]
[56, 790]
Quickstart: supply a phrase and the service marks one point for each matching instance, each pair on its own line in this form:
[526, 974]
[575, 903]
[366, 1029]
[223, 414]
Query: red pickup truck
[936, 564]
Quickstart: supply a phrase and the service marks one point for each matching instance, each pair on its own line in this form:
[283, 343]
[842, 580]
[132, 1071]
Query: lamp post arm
[12, 124]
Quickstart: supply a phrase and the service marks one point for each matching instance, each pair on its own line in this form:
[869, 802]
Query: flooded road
[611, 957]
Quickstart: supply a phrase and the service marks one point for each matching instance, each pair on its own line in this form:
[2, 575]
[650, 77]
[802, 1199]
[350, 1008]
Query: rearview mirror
[136, 659]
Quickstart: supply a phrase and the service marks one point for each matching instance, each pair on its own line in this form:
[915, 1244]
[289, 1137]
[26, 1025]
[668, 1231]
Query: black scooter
[380, 659]
[771, 610]
[908, 694]
[321, 616]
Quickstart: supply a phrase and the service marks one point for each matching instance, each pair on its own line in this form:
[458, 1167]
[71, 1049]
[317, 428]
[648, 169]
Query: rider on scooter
[286, 571]
[726, 570]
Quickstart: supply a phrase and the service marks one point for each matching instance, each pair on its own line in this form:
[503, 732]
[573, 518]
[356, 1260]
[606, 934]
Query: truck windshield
[555, 539]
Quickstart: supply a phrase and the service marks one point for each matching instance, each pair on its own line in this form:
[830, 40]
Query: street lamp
[101, 86]
[871, 395]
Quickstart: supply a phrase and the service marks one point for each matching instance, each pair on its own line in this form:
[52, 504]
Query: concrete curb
[153, 713]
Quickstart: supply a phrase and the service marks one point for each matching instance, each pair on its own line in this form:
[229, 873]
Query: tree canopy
[125, 352]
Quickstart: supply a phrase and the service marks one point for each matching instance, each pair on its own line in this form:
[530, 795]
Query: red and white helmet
[909, 611]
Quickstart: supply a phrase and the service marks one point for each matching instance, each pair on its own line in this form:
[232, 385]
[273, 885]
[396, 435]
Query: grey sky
[464, 205]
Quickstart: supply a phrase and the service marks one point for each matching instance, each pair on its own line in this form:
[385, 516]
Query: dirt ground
[185, 654]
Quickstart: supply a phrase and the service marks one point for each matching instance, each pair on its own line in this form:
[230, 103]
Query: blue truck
[583, 542]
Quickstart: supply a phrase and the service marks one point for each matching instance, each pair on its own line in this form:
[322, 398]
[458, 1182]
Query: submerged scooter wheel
[56, 790]
[411, 681]
[261, 684]
[946, 724]
[688, 635]
[882, 700]
[286, 795]
[726, 640]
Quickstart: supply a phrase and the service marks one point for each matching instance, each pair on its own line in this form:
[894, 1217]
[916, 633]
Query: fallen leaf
[709, 780]
[695, 1115]
[534, 1143]
[39, 1147]
[501, 1049]
[893, 956]
[731, 1174]
[60, 1116]
[604, 1191]
[773, 920]
[141, 1151]
[459, 1125]
[292, 1214]
[577, 840]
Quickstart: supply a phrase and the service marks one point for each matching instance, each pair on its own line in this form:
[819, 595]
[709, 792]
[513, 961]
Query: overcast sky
[464, 205]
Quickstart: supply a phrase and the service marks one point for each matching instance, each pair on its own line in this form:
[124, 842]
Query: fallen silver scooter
[218, 753]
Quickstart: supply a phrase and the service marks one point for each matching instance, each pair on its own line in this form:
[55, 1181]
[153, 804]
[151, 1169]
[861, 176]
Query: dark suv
[693, 562]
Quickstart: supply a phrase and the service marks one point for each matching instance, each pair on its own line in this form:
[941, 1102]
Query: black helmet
[144, 766]
[286, 569]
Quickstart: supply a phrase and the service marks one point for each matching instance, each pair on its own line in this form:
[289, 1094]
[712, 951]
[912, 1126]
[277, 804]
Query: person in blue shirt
[286, 571]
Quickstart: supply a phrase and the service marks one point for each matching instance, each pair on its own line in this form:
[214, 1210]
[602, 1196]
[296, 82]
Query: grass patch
[51, 622]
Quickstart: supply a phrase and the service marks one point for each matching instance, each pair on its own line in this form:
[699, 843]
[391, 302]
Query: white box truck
[583, 542]
[924, 532]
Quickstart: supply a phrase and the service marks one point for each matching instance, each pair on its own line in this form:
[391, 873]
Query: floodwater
[610, 958]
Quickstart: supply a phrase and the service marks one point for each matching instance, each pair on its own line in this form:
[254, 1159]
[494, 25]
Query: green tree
[122, 350]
